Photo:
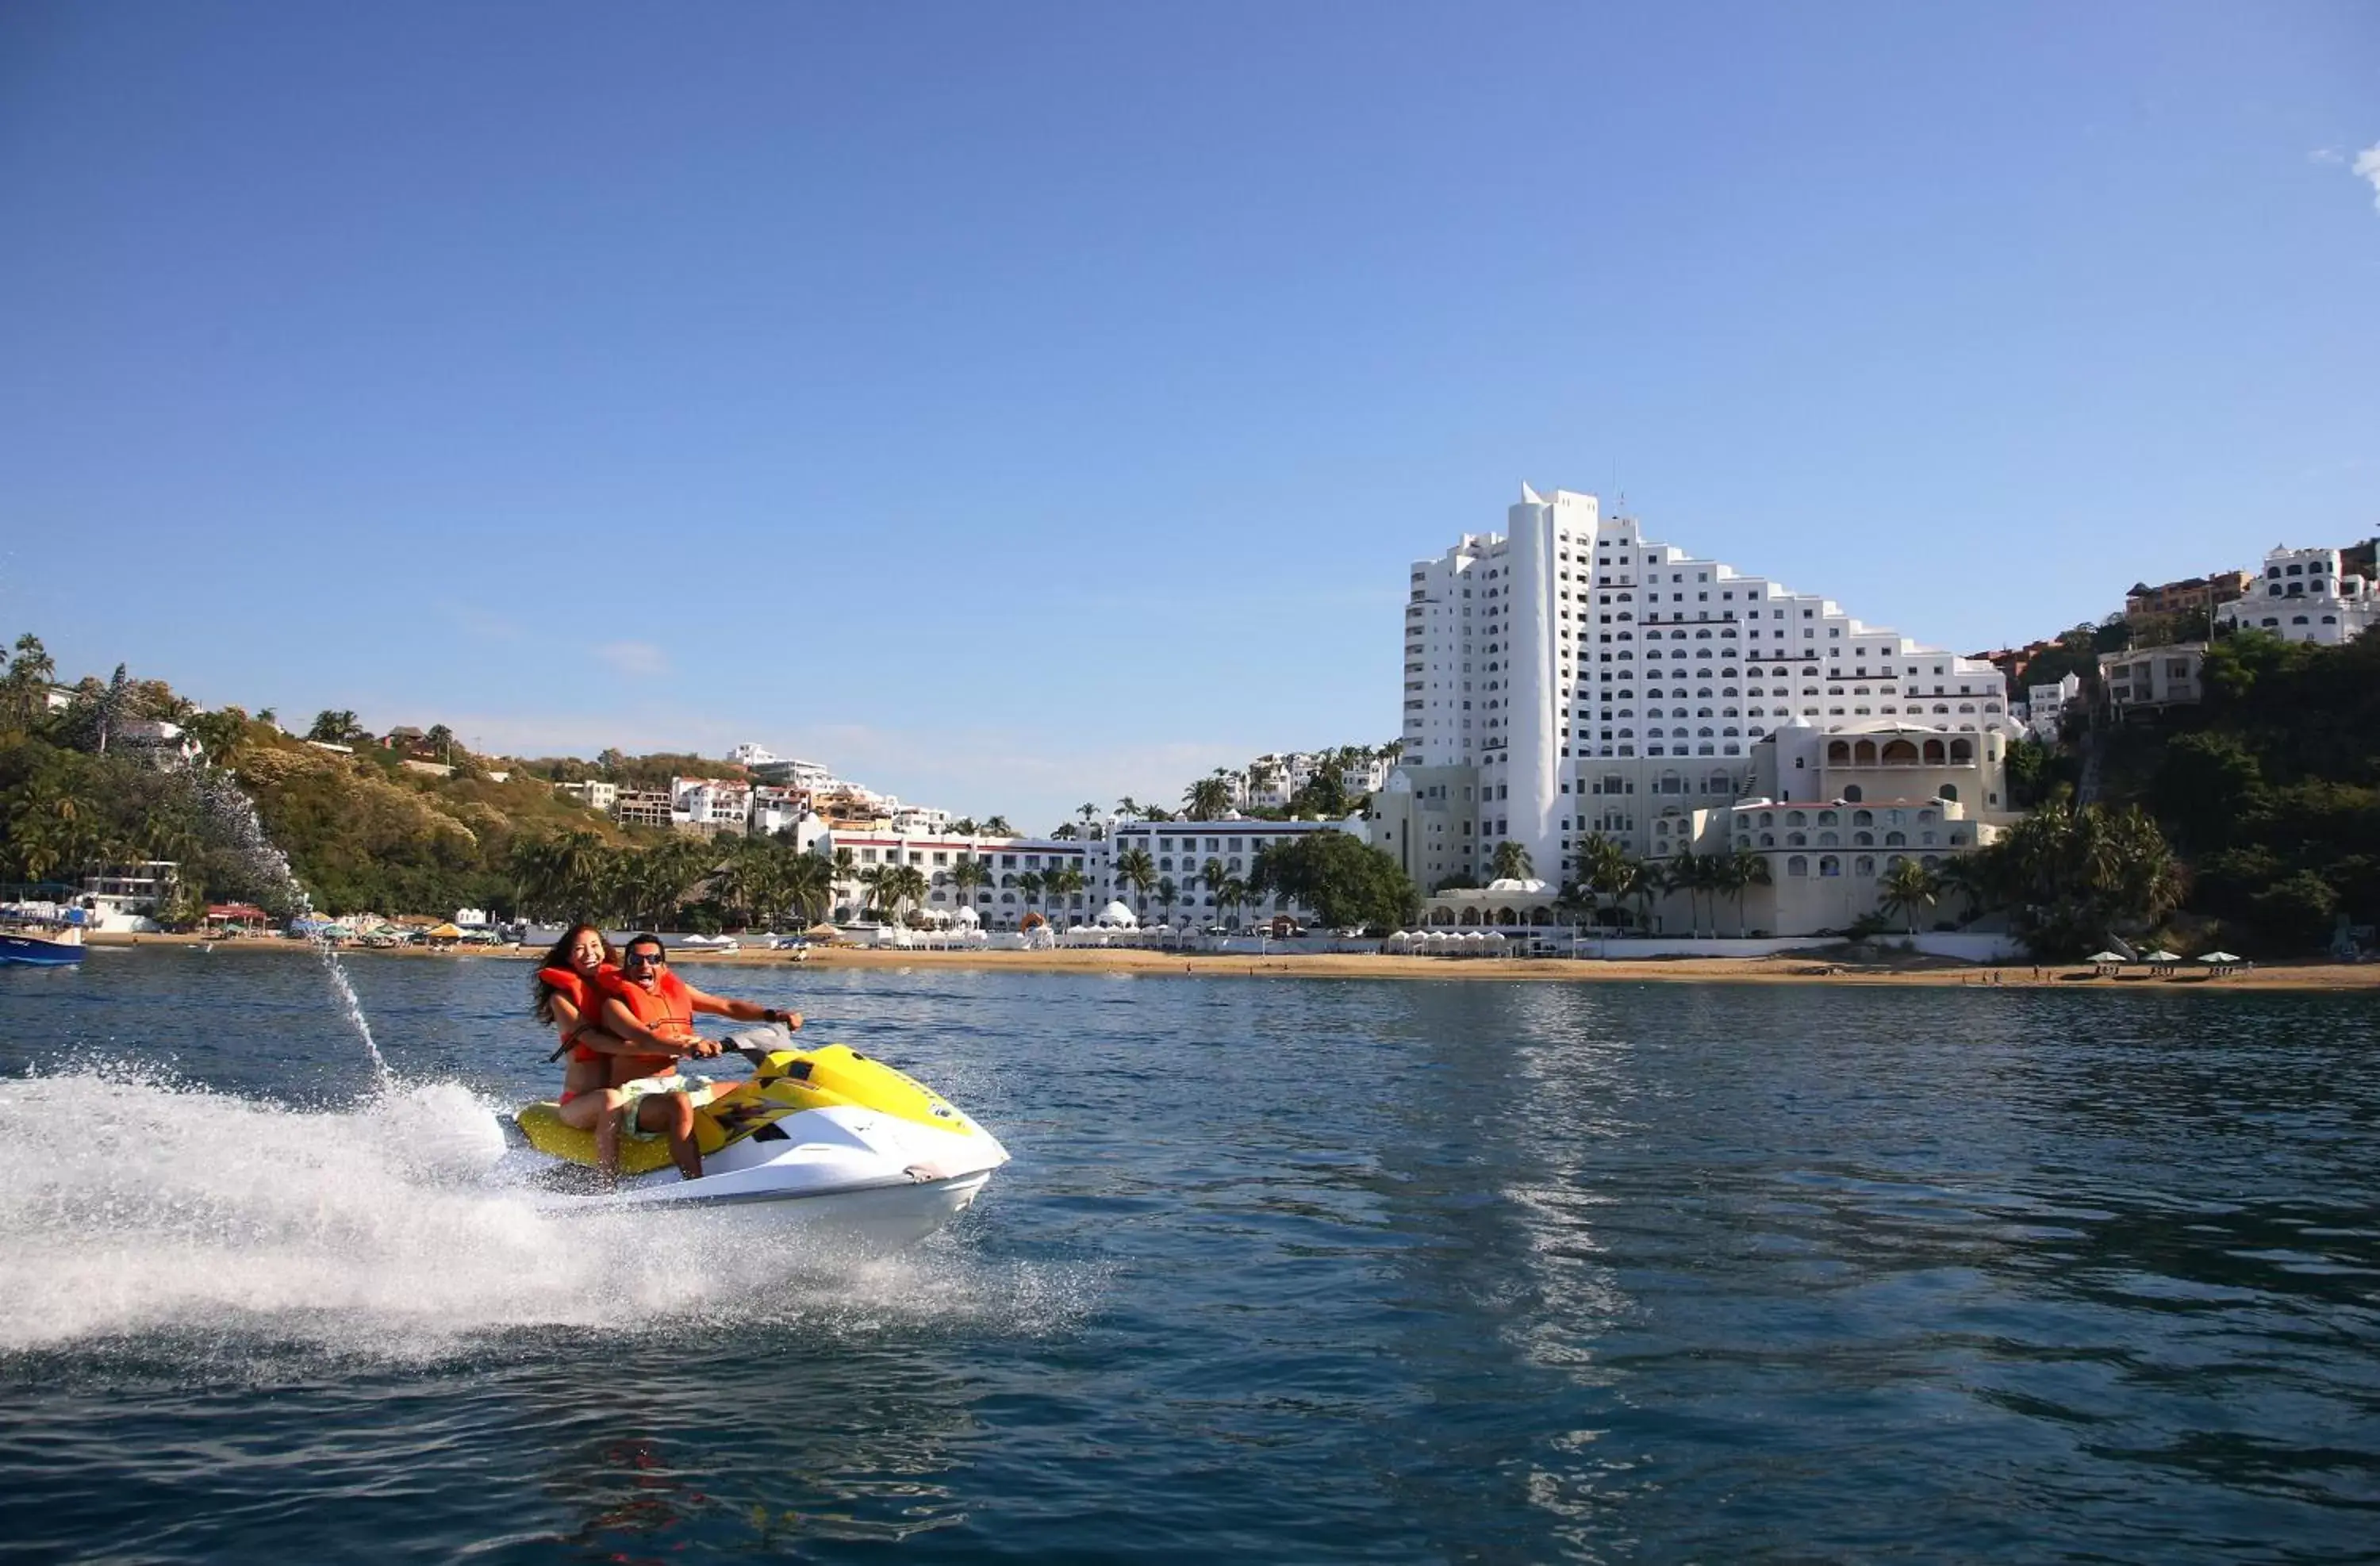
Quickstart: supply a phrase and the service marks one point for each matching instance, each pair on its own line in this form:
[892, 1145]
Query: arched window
[1797, 840]
[1795, 819]
[1851, 793]
[1829, 840]
[1863, 753]
[1863, 818]
[1933, 753]
[1950, 792]
[1896, 839]
[1963, 751]
[1863, 840]
[1797, 866]
[1864, 865]
[1829, 866]
[1839, 753]
[1829, 819]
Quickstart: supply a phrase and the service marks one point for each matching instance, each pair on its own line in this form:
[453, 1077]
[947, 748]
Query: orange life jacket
[586, 997]
[667, 1008]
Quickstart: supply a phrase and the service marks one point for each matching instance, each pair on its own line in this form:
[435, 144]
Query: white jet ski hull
[847, 1175]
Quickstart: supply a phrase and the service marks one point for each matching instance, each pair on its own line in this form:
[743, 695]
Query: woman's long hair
[540, 994]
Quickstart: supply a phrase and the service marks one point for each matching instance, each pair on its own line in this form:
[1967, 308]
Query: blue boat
[46, 939]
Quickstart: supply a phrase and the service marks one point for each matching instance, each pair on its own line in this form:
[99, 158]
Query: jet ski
[828, 1138]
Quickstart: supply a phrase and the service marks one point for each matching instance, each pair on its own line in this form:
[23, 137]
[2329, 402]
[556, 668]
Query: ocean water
[1283, 1271]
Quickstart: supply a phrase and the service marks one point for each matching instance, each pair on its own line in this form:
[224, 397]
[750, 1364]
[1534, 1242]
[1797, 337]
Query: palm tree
[1135, 869]
[808, 885]
[1128, 806]
[964, 827]
[1213, 874]
[966, 874]
[1231, 892]
[1604, 865]
[1166, 895]
[1648, 884]
[1907, 886]
[899, 886]
[998, 827]
[1509, 862]
[846, 869]
[1968, 877]
[28, 683]
[1741, 871]
[1208, 799]
[1029, 883]
[1089, 812]
[1063, 883]
[872, 879]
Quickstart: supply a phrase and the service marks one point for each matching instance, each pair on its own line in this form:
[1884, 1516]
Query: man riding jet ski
[828, 1136]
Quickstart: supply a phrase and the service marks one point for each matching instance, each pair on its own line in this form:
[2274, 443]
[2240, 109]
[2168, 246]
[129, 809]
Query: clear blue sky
[1016, 406]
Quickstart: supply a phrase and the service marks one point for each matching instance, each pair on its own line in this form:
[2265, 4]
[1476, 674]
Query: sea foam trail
[129, 1206]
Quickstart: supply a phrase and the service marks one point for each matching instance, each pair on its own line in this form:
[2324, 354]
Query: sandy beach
[1790, 968]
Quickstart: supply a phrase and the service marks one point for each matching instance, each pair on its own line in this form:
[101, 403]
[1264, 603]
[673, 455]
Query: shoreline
[1790, 968]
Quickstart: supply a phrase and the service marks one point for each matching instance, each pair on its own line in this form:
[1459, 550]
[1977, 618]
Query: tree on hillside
[24, 691]
[335, 727]
[2071, 877]
[2206, 786]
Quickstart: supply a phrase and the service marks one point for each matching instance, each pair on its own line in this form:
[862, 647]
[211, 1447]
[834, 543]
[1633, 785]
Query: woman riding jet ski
[824, 1136]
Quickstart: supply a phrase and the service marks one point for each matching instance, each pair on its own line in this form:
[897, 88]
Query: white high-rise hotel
[1583, 677]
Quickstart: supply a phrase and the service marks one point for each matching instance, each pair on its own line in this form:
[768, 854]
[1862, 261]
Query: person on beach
[566, 995]
[648, 1020]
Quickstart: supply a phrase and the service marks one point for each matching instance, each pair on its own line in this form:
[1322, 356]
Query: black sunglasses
[637, 959]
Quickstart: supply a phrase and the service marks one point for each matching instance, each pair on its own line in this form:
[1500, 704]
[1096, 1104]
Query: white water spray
[233, 814]
[389, 1231]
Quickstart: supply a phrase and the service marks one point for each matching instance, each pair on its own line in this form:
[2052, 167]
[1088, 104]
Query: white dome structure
[1517, 887]
[967, 918]
[1115, 915]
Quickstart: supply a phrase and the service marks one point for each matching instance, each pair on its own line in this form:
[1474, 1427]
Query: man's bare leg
[673, 1113]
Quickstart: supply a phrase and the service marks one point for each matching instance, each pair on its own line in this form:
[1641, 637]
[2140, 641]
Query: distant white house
[2304, 597]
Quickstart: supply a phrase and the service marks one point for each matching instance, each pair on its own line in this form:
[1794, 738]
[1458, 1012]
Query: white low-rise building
[127, 899]
[2303, 596]
[595, 794]
[1178, 853]
[2046, 705]
[711, 804]
[2151, 677]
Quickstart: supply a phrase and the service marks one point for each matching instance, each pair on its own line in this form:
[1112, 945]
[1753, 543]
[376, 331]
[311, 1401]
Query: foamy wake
[130, 1204]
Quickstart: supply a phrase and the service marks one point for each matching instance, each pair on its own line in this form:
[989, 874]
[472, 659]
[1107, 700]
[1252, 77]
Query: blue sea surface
[1284, 1269]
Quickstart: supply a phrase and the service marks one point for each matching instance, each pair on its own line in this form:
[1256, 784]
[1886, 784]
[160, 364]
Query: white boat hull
[849, 1176]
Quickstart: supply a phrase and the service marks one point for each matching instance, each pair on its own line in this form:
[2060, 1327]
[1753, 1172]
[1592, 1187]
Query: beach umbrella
[2220, 959]
[2104, 958]
[446, 932]
[2162, 955]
